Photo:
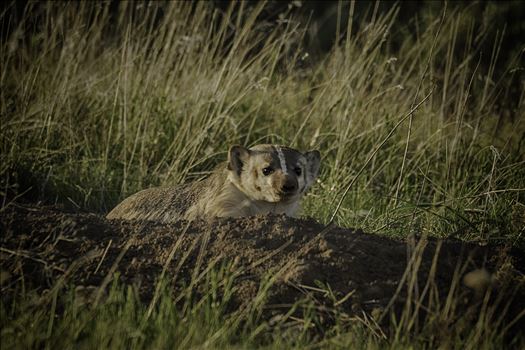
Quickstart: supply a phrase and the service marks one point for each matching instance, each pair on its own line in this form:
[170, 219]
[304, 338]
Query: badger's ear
[237, 156]
[313, 159]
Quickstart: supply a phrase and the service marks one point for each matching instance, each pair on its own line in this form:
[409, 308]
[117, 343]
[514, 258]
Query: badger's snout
[289, 186]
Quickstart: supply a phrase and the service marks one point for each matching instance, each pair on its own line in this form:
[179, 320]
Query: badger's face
[272, 173]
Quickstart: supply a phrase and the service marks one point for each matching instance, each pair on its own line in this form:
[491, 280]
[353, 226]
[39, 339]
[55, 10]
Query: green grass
[95, 107]
[62, 319]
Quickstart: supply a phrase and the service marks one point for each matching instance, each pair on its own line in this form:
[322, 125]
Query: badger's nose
[289, 187]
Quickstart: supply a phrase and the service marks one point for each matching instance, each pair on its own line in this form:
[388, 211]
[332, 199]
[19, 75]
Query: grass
[97, 105]
[202, 320]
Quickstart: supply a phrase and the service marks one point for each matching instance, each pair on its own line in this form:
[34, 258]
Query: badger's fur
[260, 180]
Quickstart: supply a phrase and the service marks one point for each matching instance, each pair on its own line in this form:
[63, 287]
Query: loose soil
[44, 245]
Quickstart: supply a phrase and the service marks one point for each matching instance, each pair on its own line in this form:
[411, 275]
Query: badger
[259, 180]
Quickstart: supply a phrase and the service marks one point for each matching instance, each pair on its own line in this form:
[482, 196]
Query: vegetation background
[417, 109]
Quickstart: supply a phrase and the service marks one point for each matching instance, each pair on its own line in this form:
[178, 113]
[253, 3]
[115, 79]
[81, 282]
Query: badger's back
[156, 204]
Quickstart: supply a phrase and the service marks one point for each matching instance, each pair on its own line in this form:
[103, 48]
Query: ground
[45, 246]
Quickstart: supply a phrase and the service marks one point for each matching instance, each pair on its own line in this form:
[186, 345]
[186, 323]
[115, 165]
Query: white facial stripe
[282, 160]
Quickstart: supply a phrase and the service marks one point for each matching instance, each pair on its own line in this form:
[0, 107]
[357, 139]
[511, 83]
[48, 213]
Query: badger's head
[272, 173]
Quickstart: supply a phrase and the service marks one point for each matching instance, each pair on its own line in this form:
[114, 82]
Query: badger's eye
[267, 171]
[298, 171]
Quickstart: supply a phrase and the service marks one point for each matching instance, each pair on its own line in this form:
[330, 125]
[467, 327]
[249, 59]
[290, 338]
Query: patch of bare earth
[45, 245]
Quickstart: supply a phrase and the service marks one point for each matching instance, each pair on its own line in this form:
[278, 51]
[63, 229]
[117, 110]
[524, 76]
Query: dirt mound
[43, 244]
